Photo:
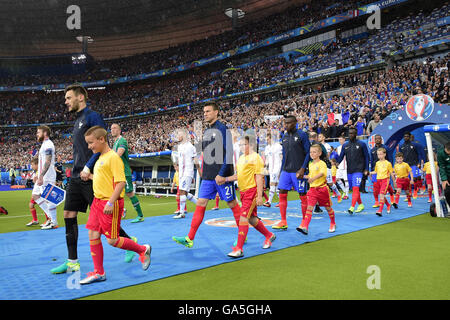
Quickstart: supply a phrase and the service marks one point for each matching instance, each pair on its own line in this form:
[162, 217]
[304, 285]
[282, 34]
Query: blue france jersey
[81, 153]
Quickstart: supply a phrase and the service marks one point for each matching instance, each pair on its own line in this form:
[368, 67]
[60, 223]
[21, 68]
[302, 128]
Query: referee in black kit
[79, 193]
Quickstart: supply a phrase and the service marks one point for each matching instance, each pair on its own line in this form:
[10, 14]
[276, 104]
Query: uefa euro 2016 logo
[420, 107]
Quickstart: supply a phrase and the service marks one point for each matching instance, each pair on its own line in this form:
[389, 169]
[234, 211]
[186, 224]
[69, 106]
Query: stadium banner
[443, 21]
[380, 4]
[422, 46]
[272, 118]
[302, 59]
[322, 72]
[286, 55]
[150, 154]
[360, 66]
[139, 155]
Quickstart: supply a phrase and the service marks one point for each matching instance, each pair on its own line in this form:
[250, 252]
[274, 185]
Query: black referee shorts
[79, 195]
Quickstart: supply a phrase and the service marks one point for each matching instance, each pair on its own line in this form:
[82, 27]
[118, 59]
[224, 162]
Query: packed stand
[251, 32]
[367, 99]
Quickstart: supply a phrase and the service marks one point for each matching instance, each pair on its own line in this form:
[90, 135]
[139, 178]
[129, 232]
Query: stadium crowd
[366, 99]
[166, 92]
[362, 99]
[251, 32]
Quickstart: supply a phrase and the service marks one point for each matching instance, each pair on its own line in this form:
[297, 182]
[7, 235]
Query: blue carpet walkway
[27, 257]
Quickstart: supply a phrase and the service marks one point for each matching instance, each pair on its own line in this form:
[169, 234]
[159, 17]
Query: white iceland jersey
[47, 149]
[186, 155]
[273, 154]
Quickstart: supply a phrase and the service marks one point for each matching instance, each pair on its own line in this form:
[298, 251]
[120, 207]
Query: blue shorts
[209, 189]
[288, 180]
[354, 179]
[417, 173]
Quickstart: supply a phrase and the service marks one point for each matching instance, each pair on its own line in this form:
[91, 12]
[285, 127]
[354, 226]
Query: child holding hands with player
[383, 169]
[318, 192]
[107, 208]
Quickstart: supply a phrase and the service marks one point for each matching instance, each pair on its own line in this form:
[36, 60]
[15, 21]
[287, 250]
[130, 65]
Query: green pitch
[411, 256]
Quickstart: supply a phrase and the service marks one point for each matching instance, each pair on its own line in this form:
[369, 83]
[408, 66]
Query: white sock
[334, 188]
[343, 186]
[272, 190]
[41, 202]
[49, 209]
[52, 212]
[191, 198]
[183, 199]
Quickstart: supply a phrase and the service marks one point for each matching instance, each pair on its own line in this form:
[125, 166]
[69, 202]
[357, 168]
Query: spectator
[12, 176]
[373, 123]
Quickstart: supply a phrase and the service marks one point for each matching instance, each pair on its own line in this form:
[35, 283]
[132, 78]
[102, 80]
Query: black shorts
[79, 195]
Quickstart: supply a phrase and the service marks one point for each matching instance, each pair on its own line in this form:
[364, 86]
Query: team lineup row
[101, 176]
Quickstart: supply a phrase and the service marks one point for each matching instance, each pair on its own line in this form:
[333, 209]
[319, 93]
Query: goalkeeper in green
[121, 148]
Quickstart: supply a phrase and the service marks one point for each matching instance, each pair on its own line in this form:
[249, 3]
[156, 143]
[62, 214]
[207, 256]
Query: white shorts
[185, 183]
[341, 174]
[274, 177]
[37, 190]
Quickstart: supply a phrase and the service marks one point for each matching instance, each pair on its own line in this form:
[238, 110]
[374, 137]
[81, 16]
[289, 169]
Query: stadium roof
[40, 27]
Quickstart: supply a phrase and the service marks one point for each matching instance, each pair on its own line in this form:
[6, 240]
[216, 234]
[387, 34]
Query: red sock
[217, 201]
[408, 196]
[197, 219]
[34, 214]
[380, 208]
[97, 254]
[375, 196]
[382, 203]
[416, 187]
[243, 231]
[376, 191]
[265, 196]
[356, 197]
[359, 197]
[236, 213]
[430, 193]
[178, 199]
[262, 228]
[397, 197]
[331, 215]
[283, 206]
[307, 219]
[128, 244]
[304, 205]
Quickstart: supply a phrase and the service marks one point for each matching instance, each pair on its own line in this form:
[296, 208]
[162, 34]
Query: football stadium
[241, 152]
